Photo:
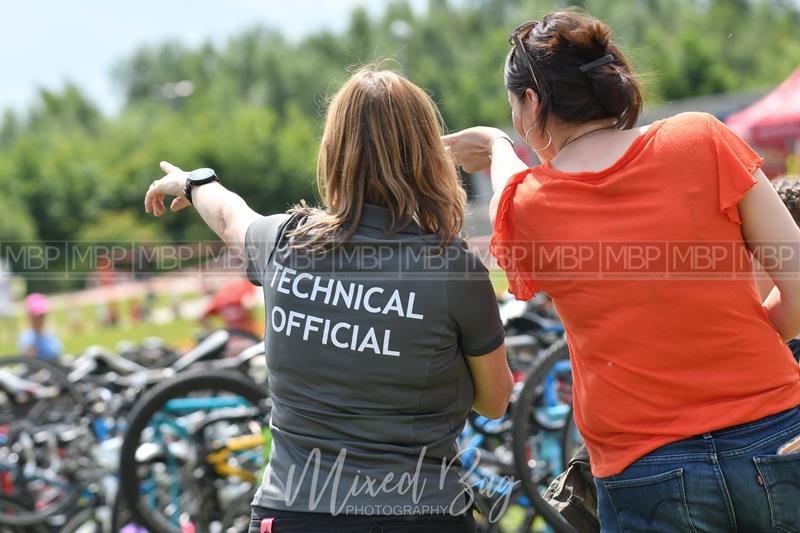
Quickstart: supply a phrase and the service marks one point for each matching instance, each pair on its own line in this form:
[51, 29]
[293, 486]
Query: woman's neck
[583, 132]
[594, 149]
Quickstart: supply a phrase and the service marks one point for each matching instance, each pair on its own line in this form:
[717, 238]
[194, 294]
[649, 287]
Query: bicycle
[194, 446]
[539, 418]
[39, 411]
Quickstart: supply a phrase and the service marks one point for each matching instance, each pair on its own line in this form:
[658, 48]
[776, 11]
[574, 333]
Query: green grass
[499, 280]
[179, 333]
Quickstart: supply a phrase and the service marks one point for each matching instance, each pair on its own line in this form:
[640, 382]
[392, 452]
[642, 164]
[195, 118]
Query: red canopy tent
[772, 124]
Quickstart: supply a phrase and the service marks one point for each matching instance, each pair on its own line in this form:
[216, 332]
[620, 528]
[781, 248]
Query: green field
[178, 333]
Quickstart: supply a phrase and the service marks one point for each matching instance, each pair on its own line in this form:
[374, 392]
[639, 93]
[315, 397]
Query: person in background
[789, 193]
[36, 341]
[233, 305]
[106, 276]
[684, 389]
[377, 411]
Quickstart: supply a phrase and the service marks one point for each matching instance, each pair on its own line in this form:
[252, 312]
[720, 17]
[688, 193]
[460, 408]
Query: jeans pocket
[780, 475]
[651, 504]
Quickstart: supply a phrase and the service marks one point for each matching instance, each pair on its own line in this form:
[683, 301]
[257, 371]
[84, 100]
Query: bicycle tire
[234, 511]
[6, 501]
[37, 518]
[58, 374]
[80, 519]
[143, 411]
[58, 371]
[568, 449]
[501, 426]
[558, 351]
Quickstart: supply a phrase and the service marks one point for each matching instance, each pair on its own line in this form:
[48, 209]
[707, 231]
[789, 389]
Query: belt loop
[266, 525]
[376, 528]
[711, 447]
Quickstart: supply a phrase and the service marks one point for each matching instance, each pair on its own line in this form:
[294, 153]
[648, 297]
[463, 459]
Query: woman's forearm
[784, 312]
[224, 211]
[212, 202]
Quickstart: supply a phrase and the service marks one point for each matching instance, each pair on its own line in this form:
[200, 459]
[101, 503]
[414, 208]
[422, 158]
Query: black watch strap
[187, 191]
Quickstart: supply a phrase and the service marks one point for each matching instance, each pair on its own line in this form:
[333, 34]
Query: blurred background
[102, 428]
[96, 93]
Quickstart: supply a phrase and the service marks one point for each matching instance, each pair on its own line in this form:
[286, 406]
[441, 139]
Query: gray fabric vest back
[366, 352]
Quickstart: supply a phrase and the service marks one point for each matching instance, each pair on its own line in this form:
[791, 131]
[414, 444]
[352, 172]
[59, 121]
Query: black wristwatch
[200, 176]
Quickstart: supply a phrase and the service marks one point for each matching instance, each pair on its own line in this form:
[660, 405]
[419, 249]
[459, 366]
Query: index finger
[167, 167]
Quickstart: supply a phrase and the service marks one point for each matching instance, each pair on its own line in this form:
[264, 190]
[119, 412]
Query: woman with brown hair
[383, 330]
[684, 389]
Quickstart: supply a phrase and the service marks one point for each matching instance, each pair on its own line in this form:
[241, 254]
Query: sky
[44, 43]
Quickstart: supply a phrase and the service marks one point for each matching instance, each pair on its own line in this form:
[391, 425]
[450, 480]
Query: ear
[533, 100]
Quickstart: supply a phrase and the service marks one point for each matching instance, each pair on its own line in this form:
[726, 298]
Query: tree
[252, 108]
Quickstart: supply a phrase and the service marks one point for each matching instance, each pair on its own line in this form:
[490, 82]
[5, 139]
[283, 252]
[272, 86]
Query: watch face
[202, 175]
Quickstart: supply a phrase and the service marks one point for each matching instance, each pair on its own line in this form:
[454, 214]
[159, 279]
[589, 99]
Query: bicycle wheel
[47, 395]
[237, 517]
[537, 425]
[171, 469]
[84, 521]
[39, 446]
[40, 468]
[11, 506]
[571, 440]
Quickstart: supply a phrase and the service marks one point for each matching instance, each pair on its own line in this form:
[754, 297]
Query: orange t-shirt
[647, 267]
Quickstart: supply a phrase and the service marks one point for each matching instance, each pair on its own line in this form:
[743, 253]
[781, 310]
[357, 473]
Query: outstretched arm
[481, 148]
[224, 211]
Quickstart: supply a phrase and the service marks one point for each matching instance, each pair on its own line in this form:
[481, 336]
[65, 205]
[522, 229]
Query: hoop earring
[546, 146]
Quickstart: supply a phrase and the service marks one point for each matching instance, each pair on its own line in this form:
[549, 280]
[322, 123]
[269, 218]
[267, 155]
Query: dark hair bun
[590, 39]
[556, 49]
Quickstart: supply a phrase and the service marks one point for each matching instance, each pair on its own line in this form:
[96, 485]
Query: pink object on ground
[37, 304]
[133, 528]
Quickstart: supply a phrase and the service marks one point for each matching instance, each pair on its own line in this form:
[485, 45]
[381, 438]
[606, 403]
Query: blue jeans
[727, 480]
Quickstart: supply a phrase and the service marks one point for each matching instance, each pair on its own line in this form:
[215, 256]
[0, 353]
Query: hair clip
[597, 63]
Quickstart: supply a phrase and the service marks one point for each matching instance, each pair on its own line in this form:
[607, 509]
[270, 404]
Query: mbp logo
[634, 258]
[702, 258]
[778, 257]
[571, 258]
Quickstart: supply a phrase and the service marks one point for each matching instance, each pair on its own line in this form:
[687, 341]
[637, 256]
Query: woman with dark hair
[376, 313]
[684, 389]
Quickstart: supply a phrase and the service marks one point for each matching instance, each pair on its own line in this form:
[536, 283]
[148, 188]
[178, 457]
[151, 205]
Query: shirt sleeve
[25, 341]
[473, 306]
[736, 163]
[259, 241]
[51, 346]
[514, 254]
